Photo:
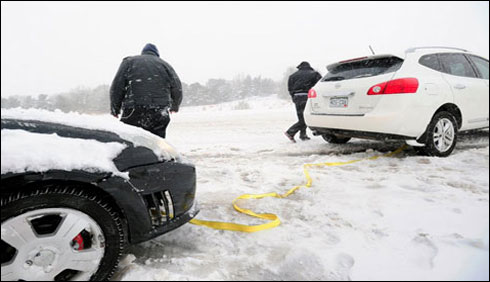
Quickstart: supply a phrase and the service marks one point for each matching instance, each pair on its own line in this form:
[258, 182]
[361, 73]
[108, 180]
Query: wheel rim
[327, 138]
[56, 255]
[444, 135]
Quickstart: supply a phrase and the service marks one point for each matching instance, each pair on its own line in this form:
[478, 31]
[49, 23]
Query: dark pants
[154, 120]
[300, 103]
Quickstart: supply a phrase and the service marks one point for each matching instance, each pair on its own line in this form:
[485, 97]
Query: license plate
[339, 102]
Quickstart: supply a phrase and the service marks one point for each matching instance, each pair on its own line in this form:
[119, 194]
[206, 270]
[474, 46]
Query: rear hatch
[343, 91]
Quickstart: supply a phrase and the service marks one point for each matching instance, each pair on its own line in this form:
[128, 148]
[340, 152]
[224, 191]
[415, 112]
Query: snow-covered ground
[403, 218]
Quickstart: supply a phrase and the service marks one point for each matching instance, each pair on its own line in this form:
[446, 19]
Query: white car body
[403, 116]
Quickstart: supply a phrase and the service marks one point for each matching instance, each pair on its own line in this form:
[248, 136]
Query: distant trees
[96, 100]
[10, 102]
[84, 100]
[221, 90]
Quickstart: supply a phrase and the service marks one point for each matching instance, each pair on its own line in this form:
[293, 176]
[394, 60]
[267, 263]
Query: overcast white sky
[52, 47]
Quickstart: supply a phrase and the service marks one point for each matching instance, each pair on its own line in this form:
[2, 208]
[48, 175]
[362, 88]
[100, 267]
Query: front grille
[160, 207]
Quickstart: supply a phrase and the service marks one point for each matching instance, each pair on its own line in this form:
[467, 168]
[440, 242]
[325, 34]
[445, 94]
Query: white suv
[424, 98]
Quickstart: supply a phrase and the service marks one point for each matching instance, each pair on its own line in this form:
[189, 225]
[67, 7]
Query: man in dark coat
[299, 84]
[146, 88]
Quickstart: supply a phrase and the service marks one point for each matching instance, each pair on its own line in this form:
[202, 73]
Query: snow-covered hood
[24, 151]
[138, 136]
[30, 148]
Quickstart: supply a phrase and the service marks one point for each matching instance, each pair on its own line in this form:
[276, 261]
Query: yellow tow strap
[274, 219]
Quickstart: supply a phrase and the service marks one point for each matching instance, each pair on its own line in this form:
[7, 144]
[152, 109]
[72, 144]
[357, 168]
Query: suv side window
[481, 64]
[456, 64]
[431, 61]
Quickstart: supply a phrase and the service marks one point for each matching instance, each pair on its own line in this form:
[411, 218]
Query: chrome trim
[339, 94]
[340, 115]
[170, 204]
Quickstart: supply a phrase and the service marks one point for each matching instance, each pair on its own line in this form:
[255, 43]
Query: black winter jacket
[145, 80]
[303, 80]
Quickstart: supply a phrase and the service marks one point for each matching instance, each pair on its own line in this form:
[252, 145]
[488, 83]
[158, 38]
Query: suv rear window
[431, 61]
[364, 68]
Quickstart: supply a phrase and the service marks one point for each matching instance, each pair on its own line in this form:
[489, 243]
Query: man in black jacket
[146, 88]
[299, 84]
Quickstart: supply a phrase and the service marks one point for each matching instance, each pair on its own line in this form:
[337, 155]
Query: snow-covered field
[402, 218]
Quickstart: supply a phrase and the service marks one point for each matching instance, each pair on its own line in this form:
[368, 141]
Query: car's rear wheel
[334, 139]
[441, 136]
[59, 233]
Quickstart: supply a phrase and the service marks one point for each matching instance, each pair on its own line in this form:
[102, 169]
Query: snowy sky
[51, 47]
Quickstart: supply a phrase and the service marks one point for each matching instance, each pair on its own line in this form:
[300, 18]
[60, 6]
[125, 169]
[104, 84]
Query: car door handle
[460, 86]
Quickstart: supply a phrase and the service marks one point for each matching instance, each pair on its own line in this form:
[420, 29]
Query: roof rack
[411, 50]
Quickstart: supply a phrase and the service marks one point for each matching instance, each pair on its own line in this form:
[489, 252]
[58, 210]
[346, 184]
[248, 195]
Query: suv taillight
[397, 86]
[312, 93]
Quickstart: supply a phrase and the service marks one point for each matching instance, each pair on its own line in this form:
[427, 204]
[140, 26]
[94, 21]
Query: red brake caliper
[78, 242]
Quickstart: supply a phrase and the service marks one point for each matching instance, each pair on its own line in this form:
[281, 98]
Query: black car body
[158, 197]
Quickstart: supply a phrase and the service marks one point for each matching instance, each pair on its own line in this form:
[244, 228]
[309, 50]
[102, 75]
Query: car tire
[49, 211]
[441, 136]
[334, 139]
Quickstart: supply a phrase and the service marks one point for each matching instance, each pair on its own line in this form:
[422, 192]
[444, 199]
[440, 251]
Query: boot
[304, 137]
[290, 137]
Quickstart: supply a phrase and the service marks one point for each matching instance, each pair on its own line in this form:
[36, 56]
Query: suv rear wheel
[334, 139]
[441, 135]
[59, 233]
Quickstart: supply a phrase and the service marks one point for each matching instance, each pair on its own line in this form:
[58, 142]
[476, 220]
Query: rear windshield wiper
[335, 78]
[364, 75]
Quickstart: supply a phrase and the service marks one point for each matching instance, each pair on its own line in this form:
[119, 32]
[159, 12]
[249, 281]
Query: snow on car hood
[138, 136]
[35, 152]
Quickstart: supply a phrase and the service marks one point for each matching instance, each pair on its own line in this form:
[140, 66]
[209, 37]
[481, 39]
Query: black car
[74, 224]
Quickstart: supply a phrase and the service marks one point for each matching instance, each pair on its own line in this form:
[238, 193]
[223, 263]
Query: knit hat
[150, 48]
[303, 65]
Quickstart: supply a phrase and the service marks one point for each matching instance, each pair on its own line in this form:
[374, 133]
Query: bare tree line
[96, 100]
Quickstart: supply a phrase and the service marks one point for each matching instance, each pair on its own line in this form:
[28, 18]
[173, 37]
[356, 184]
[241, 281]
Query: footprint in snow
[422, 251]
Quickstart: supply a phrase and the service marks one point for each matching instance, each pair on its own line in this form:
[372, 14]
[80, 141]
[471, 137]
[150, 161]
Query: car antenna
[372, 51]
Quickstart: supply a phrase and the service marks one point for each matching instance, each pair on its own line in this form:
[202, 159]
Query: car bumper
[156, 199]
[406, 122]
[359, 134]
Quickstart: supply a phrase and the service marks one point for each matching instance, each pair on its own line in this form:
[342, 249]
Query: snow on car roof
[136, 135]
